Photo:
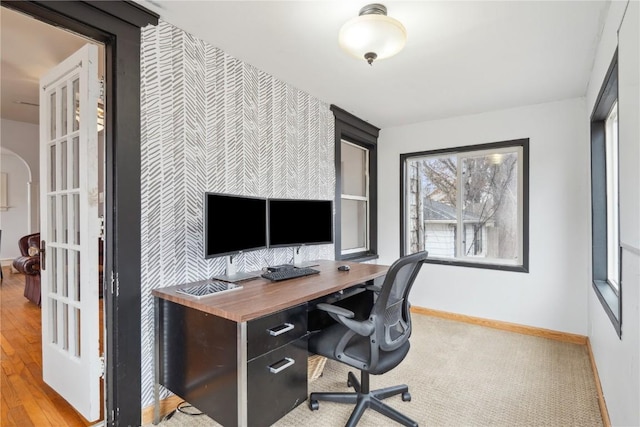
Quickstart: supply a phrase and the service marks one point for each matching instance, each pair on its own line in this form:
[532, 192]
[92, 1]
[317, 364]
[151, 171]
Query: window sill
[458, 263]
[610, 302]
[359, 257]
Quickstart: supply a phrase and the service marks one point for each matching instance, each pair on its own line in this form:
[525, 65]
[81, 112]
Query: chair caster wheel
[314, 405]
[406, 397]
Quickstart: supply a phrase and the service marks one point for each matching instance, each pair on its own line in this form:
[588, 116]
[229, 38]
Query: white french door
[69, 229]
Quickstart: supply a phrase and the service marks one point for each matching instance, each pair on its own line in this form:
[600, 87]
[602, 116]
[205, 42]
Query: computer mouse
[344, 268]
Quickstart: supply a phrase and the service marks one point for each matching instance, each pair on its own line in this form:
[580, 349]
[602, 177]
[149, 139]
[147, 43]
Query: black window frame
[356, 131]
[522, 142]
[609, 297]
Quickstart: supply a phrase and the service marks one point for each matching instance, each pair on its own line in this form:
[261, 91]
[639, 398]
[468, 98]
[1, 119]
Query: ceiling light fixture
[372, 34]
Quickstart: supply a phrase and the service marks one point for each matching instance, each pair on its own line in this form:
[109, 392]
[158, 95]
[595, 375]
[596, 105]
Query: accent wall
[213, 123]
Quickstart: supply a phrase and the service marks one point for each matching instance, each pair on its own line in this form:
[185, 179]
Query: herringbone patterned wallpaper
[213, 123]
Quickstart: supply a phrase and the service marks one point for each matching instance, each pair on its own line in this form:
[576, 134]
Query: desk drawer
[276, 383]
[275, 330]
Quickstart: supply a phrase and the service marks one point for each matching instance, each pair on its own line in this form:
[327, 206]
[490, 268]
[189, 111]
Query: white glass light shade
[378, 34]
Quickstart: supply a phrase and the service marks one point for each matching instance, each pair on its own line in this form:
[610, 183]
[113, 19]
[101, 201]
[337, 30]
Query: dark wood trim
[524, 142]
[117, 25]
[358, 125]
[128, 11]
[525, 206]
[598, 203]
[608, 92]
[610, 299]
[403, 160]
[350, 128]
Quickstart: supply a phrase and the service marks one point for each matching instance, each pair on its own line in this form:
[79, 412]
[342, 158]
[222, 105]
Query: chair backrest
[390, 313]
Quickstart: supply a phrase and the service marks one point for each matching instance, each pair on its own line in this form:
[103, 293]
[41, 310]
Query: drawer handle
[288, 362]
[279, 330]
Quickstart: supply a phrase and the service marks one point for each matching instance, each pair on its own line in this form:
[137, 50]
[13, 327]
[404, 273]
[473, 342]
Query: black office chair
[374, 345]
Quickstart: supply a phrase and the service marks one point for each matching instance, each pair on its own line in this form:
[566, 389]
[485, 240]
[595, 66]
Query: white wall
[618, 360]
[20, 159]
[553, 294]
[22, 139]
[14, 221]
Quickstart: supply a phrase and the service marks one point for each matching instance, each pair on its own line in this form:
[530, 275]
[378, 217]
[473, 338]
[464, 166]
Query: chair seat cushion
[325, 342]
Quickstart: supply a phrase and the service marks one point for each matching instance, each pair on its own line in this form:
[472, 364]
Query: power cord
[184, 405]
[168, 416]
[181, 408]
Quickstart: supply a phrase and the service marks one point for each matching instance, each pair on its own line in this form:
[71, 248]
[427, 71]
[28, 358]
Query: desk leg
[156, 361]
[243, 406]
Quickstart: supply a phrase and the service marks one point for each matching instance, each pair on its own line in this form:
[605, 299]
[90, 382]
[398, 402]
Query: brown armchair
[29, 265]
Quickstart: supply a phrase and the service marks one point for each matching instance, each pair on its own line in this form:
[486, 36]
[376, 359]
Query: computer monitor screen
[300, 222]
[233, 224]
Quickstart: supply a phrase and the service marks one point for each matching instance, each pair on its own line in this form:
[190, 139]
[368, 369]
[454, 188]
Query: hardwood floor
[26, 399]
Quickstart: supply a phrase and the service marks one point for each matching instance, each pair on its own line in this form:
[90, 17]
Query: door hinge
[101, 89]
[102, 366]
[101, 227]
[115, 284]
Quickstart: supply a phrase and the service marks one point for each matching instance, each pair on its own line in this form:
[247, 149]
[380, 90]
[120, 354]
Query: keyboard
[290, 273]
[207, 289]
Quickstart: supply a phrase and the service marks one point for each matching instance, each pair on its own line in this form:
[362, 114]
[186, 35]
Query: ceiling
[29, 49]
[461, 57]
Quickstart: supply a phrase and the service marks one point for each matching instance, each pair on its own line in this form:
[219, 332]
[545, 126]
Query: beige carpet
[466, 375]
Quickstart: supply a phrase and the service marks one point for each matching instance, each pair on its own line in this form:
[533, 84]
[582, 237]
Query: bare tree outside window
[491, 202]
[465, 204]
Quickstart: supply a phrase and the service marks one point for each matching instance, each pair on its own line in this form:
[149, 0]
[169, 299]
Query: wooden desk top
[259, 297]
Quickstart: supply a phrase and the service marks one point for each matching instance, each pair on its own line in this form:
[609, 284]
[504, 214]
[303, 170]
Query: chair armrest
[345, 317]
[332, 309]
[374, 288]
[27, 265]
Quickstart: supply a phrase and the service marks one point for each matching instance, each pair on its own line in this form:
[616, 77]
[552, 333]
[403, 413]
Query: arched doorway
[18, 203]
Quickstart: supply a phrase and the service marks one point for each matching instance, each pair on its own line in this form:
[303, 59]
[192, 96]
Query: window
[467, 206]
[613, 235]
[354, 170]
[356, 187]
[605, 228]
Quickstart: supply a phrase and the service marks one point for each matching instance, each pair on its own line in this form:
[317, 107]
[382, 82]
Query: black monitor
[233, 224]
[300, 222]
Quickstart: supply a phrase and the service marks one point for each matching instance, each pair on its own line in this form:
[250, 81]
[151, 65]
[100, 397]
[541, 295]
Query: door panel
[70, 230]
